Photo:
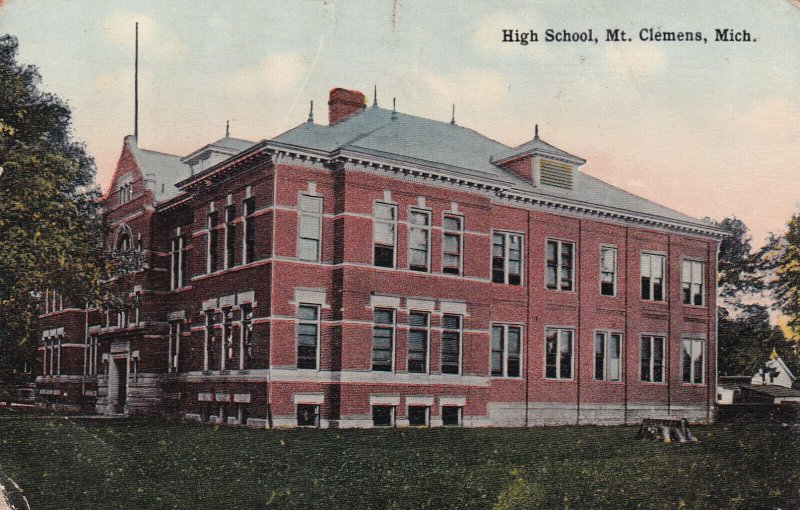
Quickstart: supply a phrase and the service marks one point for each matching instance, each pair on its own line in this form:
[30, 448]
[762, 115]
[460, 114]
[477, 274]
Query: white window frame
[426, 230]
[177, 279]
[392, 327]
[613, 249]
[559, 248]
[226, 347]
[382, 221]
[505, 327]
[457, 233]
[310, 215]
[245, 324]
[663, 258]
[229, 256]
[690, 281]
[559, 331]
[174, 346]
[607, 336]
[653, 337]
[427, 330]
[507, 235]
[211, 232]
[208, 332]
[248, 221]
[694, 343]
[317, 324]
[460, 332]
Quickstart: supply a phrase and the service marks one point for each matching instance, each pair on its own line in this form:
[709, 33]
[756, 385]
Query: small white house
[780, 376]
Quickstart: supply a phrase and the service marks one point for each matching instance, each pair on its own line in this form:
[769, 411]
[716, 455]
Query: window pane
[498, 246]
[513, 341]
[599, 356]
[309, 226]
[686, 356]
[566, 355]
[551, 354]
[451, 322]
[417, 341]
[451, 223]
[418, 319]
[310, 204]
[451, 243]
[419, 218]
[307, 249]
[552, 250]
[384, 211]
[614, 357]
[657, 266]
[307, 312]
[645, 265]
[383, 316]
[686, 271]
[384, 233]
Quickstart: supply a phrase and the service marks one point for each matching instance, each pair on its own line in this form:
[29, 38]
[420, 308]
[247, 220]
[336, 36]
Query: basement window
[451, 416]
[383, 416]
[307, 415]
[418, 416]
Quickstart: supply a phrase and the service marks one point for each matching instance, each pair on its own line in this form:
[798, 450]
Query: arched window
[124, 243]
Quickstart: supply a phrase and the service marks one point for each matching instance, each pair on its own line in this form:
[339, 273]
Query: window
[122, 318]
[383, 416]
[209, 341]
[607, 355]
[451, 244]
[178, 262]
[692, 355]
[451, 344]
[652, 359]
[211, 248]
[507, 258]
[418, 416]
[227, 354]
[125, 193]
[652, 268]
[559, 265]
[249, 241]
[230, 236]
[419, 240]
[384, 225]
[124, 243]
[558, 353]
[692, 282]
[418, 334]
[382, 340]
[307, 415]
[608, 271]
[247, 336]
[174, 346]
[92, 355]
[451, 416]
[309, 227]
[307, 336]
[506, 347]
[137, 304]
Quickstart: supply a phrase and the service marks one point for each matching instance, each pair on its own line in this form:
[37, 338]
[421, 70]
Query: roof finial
[375, 96]
[394, 108]
[536, 132]
[311, 113]
[227, 129]
[453, 118]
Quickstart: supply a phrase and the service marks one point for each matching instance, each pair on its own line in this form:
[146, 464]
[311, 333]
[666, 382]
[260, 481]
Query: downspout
[577, 269]
[666, 277]
[716, 334]
[626, 338]
[272, 290]
[528, 329]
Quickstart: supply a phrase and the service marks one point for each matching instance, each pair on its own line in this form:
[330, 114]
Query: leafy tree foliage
[50, 226]
[782, 255]
[746, 340]
[738, 270]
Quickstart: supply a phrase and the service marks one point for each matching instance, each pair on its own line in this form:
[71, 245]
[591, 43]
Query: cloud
[154, 41]
[278, 72]
[636, 60]
[478, 89]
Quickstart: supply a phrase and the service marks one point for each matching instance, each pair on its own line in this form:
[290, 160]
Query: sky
[707, 129]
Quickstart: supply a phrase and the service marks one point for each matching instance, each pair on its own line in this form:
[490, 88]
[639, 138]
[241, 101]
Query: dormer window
[555, 174]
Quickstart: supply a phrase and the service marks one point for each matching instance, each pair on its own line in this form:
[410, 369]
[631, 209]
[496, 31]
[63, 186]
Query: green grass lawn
[138, 464]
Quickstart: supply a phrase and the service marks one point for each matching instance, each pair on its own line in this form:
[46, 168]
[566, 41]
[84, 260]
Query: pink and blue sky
[708, 129]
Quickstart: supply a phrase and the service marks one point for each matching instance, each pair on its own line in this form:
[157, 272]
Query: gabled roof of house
[381, 133]
[167, 168]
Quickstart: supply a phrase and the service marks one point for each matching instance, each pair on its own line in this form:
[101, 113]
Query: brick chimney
[342, 103]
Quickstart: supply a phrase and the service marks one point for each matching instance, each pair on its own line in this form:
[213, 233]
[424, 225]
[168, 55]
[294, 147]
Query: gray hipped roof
[405, 138]
[167, 169]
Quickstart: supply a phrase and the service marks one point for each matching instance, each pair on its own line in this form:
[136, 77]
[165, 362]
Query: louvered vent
[553, 173]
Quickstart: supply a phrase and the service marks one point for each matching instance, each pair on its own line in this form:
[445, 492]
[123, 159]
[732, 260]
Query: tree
[738, 268]
[746, 340]
[50, 226]
[781, 257]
